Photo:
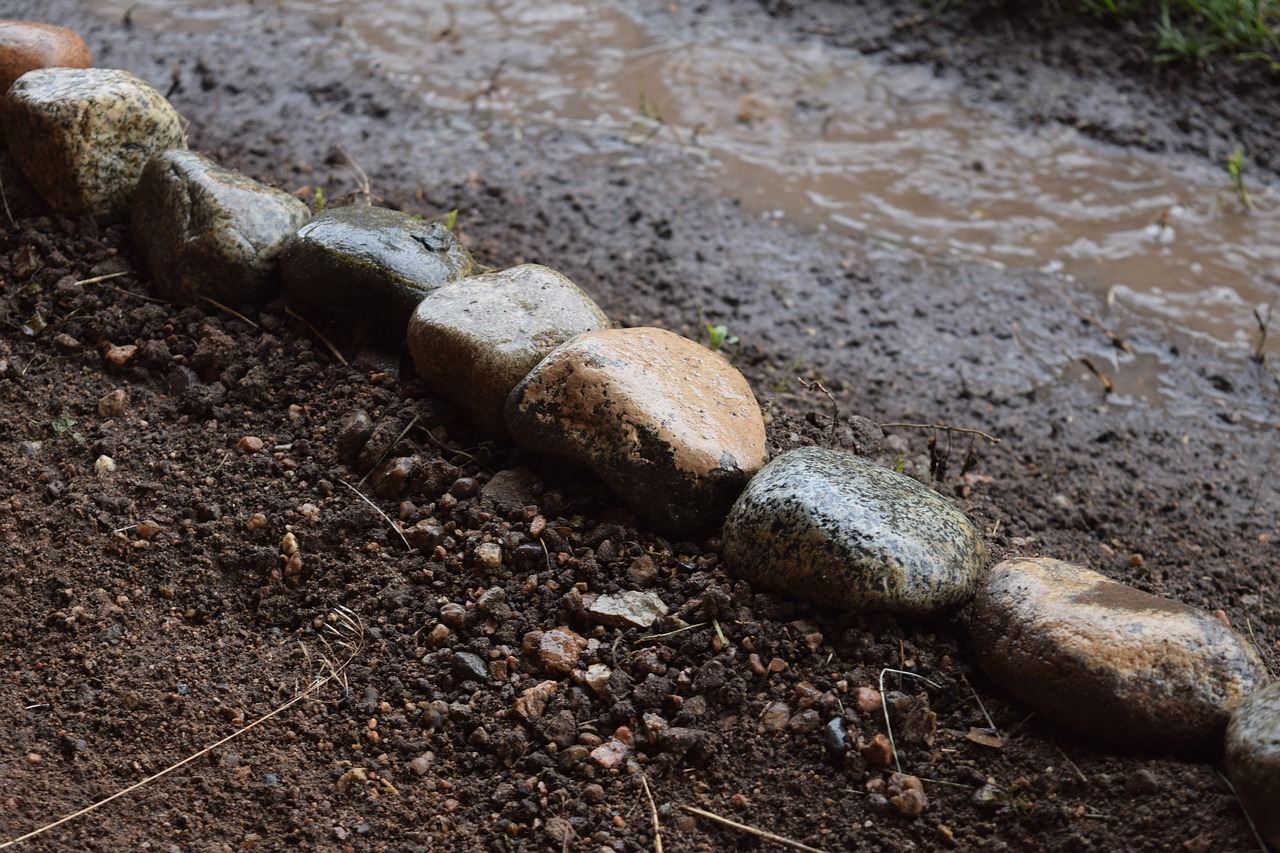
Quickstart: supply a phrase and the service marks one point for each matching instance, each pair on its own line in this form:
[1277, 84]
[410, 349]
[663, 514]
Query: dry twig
[295, 315]
[653, 813]
[751, 830]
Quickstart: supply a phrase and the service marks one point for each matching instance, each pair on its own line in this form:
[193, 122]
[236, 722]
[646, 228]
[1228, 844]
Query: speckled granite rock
[28, 45]
[1110, 661]
[373, 261]
[476, 339]
[83, 135]
[1253, 759]
[671, 427]
[838, 530]
[208, 231]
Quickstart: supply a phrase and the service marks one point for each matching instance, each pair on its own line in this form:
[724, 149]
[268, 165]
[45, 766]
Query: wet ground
[1165, 483]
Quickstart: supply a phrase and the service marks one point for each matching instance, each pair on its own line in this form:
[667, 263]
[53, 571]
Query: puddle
[834, 142]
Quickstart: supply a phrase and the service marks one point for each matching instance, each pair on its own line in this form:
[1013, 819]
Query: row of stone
[668, 425]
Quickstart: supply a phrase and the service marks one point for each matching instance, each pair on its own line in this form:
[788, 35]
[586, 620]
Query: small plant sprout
[1235, 170]
[718, 337]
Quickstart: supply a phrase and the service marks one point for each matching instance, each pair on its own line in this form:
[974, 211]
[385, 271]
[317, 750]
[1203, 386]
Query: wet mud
[123, 652]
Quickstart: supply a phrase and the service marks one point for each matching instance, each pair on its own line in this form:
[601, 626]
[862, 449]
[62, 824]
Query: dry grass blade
[944, 428]
[884, 705]
[653, 813]
[107, 277]
[390, 447]
[379, 511]
[295, 315]
[751, 830]
[216, 304]
[349, 637]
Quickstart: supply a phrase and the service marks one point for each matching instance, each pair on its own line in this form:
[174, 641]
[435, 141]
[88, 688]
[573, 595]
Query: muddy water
[834, 142]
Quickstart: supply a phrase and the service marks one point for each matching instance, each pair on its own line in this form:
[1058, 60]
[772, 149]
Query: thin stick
[983, 708]
[945, 428]
[379, 511]
[316, 684]
[1107, 384]
[1262, 845]
[230, 311]
[884, 705]
[653, 813]
[670, 633]
[295, 315]
[99, 278]
[751, 830]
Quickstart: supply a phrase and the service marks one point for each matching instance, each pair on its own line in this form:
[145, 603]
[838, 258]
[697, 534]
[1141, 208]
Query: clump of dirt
[153, 606]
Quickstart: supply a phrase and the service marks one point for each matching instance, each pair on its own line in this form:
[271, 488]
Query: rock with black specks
[1253, 759]
[835, 529]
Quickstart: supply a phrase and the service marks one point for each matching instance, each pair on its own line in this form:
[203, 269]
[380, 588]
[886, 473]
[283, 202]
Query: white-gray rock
[204, 230]
[83, 135]
[629, 609]
[835, 529]
[1253, 759]
[1111, 661]
[474, 340]
[672, 428]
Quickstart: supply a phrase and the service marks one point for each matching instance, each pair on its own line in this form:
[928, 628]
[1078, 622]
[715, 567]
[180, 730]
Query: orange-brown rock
[1111, 661]
[26, 45]
[672, 428]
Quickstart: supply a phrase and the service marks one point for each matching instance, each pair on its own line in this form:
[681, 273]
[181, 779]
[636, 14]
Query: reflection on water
[831, 141]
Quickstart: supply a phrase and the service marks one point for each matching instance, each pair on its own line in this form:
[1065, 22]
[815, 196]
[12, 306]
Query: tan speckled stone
[1253, 759]
[83, 135]
[1111, 661]
[475, 339]
[27, 45]
[671, 427]
[204, 230]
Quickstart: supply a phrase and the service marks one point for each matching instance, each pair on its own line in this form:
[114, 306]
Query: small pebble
[255, 522]
[249, 444]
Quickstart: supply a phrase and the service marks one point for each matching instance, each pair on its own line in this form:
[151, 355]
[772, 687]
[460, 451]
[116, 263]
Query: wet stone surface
[476, 339]
[204, 230]
[370, 260]
[27, 45]
[838, 530]
[1253, 759]
[671, 427]
[1111, 661]
[83, 135]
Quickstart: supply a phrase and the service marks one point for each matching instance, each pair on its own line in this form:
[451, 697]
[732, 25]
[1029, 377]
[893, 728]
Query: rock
[533, 701]
[838, 530]
[28, 45]
[203, 230]
[558, 650]
[628, 609]
[474, 341]
[1253, 759]
[376, 262]
[489, 556]
[1110, 661]
[512, 489]
[83, 135]
[668, 425]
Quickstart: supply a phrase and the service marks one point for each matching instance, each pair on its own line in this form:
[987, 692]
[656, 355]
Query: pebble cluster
[668, 424]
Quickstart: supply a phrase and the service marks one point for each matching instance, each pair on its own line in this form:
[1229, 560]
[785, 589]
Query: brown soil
[147, 613]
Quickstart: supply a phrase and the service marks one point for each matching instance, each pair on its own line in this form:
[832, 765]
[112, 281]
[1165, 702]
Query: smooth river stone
[1111, 661]
[375, 262]
[28, 45]
[83, 135]
[672, 428]
[838, 530]
[474, 340]
[1253, 759]
[204, 230]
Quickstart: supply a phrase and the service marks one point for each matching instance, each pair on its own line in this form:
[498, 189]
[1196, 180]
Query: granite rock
[204, 230]
[838, 530]
[1111, 661]
[83, 135]
[476, 339]
[1253, 759]
[671, 427]
[375, 262]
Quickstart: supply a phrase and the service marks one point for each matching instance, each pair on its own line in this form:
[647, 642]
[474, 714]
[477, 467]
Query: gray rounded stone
[1253, 759]
[83, 135]
[1111, 661]
[672, 428]
[474, 340]
[204, 230]
[838, 530]
[376, 262]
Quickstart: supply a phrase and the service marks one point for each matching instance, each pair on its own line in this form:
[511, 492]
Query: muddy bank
[1179, 503]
